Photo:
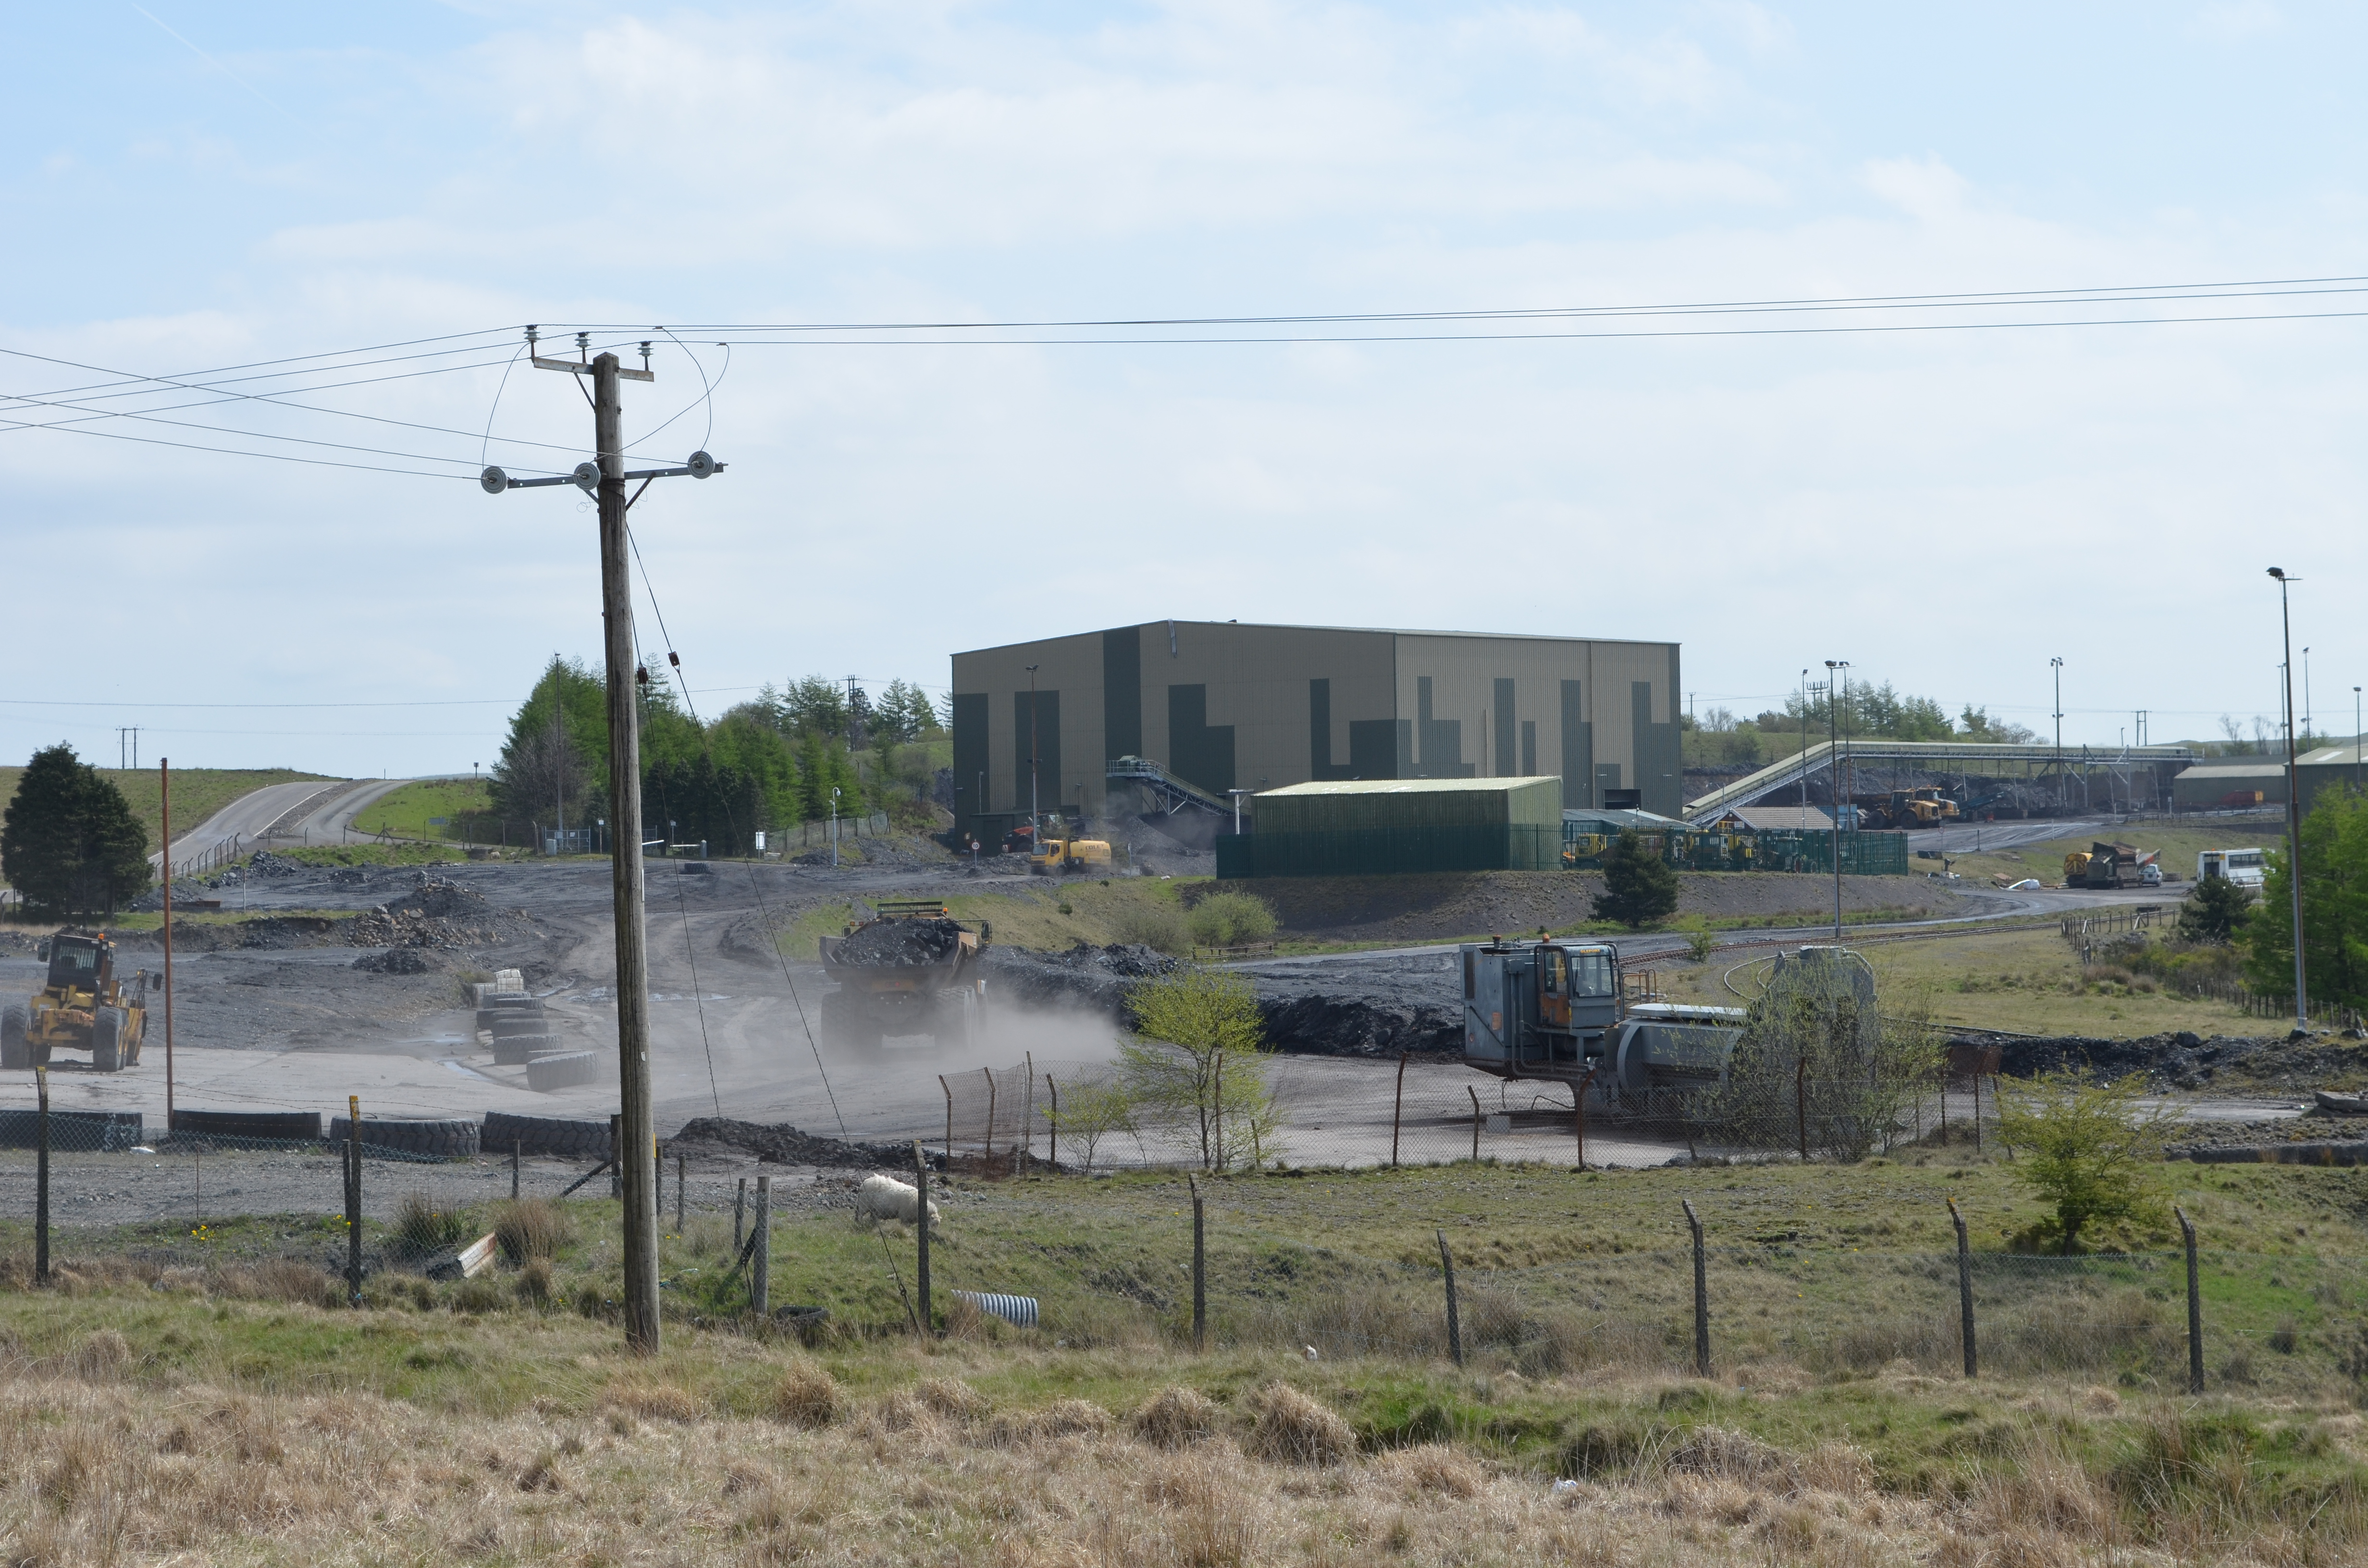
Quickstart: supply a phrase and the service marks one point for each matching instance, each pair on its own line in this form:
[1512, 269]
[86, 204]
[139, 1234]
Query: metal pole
[1454, 1327]
[1397, 1109]
[678, 1166]
[1580, 1099]
[1800, 1103]
[1834, 778]
[1475, 1121]
[921, 1221]
[637, 1128]
[2194, 1309]
[164, 787]
[1701, 1294]
[1200, 1268]
[517, 1151]
[2293, 807]
[1053, 1120]
[949, 1119]
[2058, 665]
[41, 1182]
[354, 1199]
[1035, 822]
[1964, 1289]
[740, 1216]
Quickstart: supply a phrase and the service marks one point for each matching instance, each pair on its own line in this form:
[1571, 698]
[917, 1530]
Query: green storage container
[1397, 805]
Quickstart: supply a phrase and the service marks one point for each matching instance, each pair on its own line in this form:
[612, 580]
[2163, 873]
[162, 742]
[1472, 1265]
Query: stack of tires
[520, 1028]
[440, 1139]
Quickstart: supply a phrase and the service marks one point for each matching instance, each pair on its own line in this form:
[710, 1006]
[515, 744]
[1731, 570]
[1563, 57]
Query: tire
[567, 1140]
[268, 1126]
[15, 1052]
[510, 1052]
[448, 1140]
[545, 1073]
[846, 1022]
[106, 1041]
[519, 1023]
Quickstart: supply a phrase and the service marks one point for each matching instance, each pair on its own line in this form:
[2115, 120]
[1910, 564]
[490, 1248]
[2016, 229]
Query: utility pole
[605, 479]
[2058, 665]
[122, 730]
[165, 791]
[2293, 802]
[1804, 747]
[1833, 771]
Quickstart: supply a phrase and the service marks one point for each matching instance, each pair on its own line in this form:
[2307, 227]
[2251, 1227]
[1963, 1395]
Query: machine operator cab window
[74, 963]
[1591, 974]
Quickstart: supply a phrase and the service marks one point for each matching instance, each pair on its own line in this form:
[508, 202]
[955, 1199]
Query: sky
[197, 186]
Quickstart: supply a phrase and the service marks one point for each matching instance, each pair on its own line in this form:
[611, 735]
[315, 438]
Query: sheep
[885, 1198]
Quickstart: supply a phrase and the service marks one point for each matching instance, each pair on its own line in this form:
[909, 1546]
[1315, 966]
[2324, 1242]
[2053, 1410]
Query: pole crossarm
[588, 477]
[577, 366]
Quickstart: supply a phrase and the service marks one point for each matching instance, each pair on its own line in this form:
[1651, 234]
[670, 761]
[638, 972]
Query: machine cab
[1538, 1009]
[79, 963]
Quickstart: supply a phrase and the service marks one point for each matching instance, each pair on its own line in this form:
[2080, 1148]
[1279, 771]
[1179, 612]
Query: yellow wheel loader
[84, 1006]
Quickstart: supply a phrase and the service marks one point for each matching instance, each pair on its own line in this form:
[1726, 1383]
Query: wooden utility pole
[1965, 1292]
[637, 1127]
[164, 787]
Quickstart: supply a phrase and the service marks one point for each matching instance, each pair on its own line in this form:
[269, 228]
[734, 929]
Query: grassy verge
[2178, 845]
[377, 855]
[411, 810]
[198, 792]
[173, 1408]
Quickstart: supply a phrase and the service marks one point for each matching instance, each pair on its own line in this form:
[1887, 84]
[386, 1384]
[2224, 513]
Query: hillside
[198, 792]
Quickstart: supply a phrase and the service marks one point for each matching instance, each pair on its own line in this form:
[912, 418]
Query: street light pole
[2058, 667]
[1833, 772]
[2293, 802]
[1035, 823]
[1805, 745]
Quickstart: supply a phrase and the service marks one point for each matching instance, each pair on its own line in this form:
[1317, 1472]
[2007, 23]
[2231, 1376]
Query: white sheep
[885, 1198]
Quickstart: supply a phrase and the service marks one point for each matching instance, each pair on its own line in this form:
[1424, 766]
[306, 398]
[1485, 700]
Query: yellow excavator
[83, 1006]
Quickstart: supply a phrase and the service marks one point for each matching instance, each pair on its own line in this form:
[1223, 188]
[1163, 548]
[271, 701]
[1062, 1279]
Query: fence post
[1397, 1108]
[1579, 1100]
[761, 1277]
[1475, 1121]
[1052, 1121]
[1800, 1103]
[1964, 1289]
[740, 1216]
[678, 1165]
[1701, 1294]
[617, 1157]
[1200, 1269]
[354, 1199]
[1454, 1327]
[1217, 1106]
[989, 1073]
[2194, 1309]
[41, 1182]
[517, 1150]
[921, 1219]
[1027, 1113]
[949, 1119]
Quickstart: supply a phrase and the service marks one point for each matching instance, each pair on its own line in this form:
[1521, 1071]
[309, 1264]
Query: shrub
[423, 1229]
[1232, 919]
[1175, 1417]
[2086, 1149]
[1638, 885]
[1159, 926]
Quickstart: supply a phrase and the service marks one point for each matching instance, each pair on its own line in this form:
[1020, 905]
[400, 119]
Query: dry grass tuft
[530, 1229]
[104, 1354]
[1176, 1417]
[1291, 1428]
[534, 1283]
[281, 1280]
[953, 1397]
[651, 1399]
[1434, 1469]
[807, 1395]
[1062, 1419]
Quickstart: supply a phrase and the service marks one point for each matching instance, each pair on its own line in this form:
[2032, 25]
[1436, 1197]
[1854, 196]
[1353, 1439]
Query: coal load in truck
[908, 971]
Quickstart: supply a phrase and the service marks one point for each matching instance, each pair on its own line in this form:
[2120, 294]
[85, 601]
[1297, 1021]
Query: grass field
[409, 813]
[217, 1408]
[2025, 979]
[2180, 844]
[198, 792]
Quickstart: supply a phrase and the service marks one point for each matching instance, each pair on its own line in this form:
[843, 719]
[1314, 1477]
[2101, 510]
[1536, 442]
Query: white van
[2243, 867]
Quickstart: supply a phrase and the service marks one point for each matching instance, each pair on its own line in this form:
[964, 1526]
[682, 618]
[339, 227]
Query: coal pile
[901, 944]
[785, 1145]
[401, 961]
[437, 913]
[1318, 1024]
[2186, 1060]
[264, 865]
[1085, 978]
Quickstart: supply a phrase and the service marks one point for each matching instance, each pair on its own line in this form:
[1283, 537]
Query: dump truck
[2107, 866]
[910, 969]
[1065, 853]
[83, 1004]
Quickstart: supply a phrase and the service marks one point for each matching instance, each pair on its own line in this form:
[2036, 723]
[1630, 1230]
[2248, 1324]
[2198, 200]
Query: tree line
[1720, 738]
[801, 752]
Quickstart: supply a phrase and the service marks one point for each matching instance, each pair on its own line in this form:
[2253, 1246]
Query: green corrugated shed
[1398, 804]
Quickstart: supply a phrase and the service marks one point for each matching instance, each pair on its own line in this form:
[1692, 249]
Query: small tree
[1820, 1062]
[1196, 1066]
[2215, 910]
[1091, 1109]
[1638, 886]
[68, 840]
[1230, 919]
[2089, 1149]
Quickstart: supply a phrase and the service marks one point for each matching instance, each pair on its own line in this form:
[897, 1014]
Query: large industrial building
[1221, 706]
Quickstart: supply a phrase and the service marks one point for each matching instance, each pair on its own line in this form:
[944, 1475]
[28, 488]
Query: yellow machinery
[1066, 854]
[84, 1006]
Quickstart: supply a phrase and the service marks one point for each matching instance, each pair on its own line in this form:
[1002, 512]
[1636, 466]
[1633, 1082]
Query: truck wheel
[106, 1041]
[847, 1023]
[15, 1052]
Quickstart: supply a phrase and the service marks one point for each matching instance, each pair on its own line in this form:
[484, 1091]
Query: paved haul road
[251, 814]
